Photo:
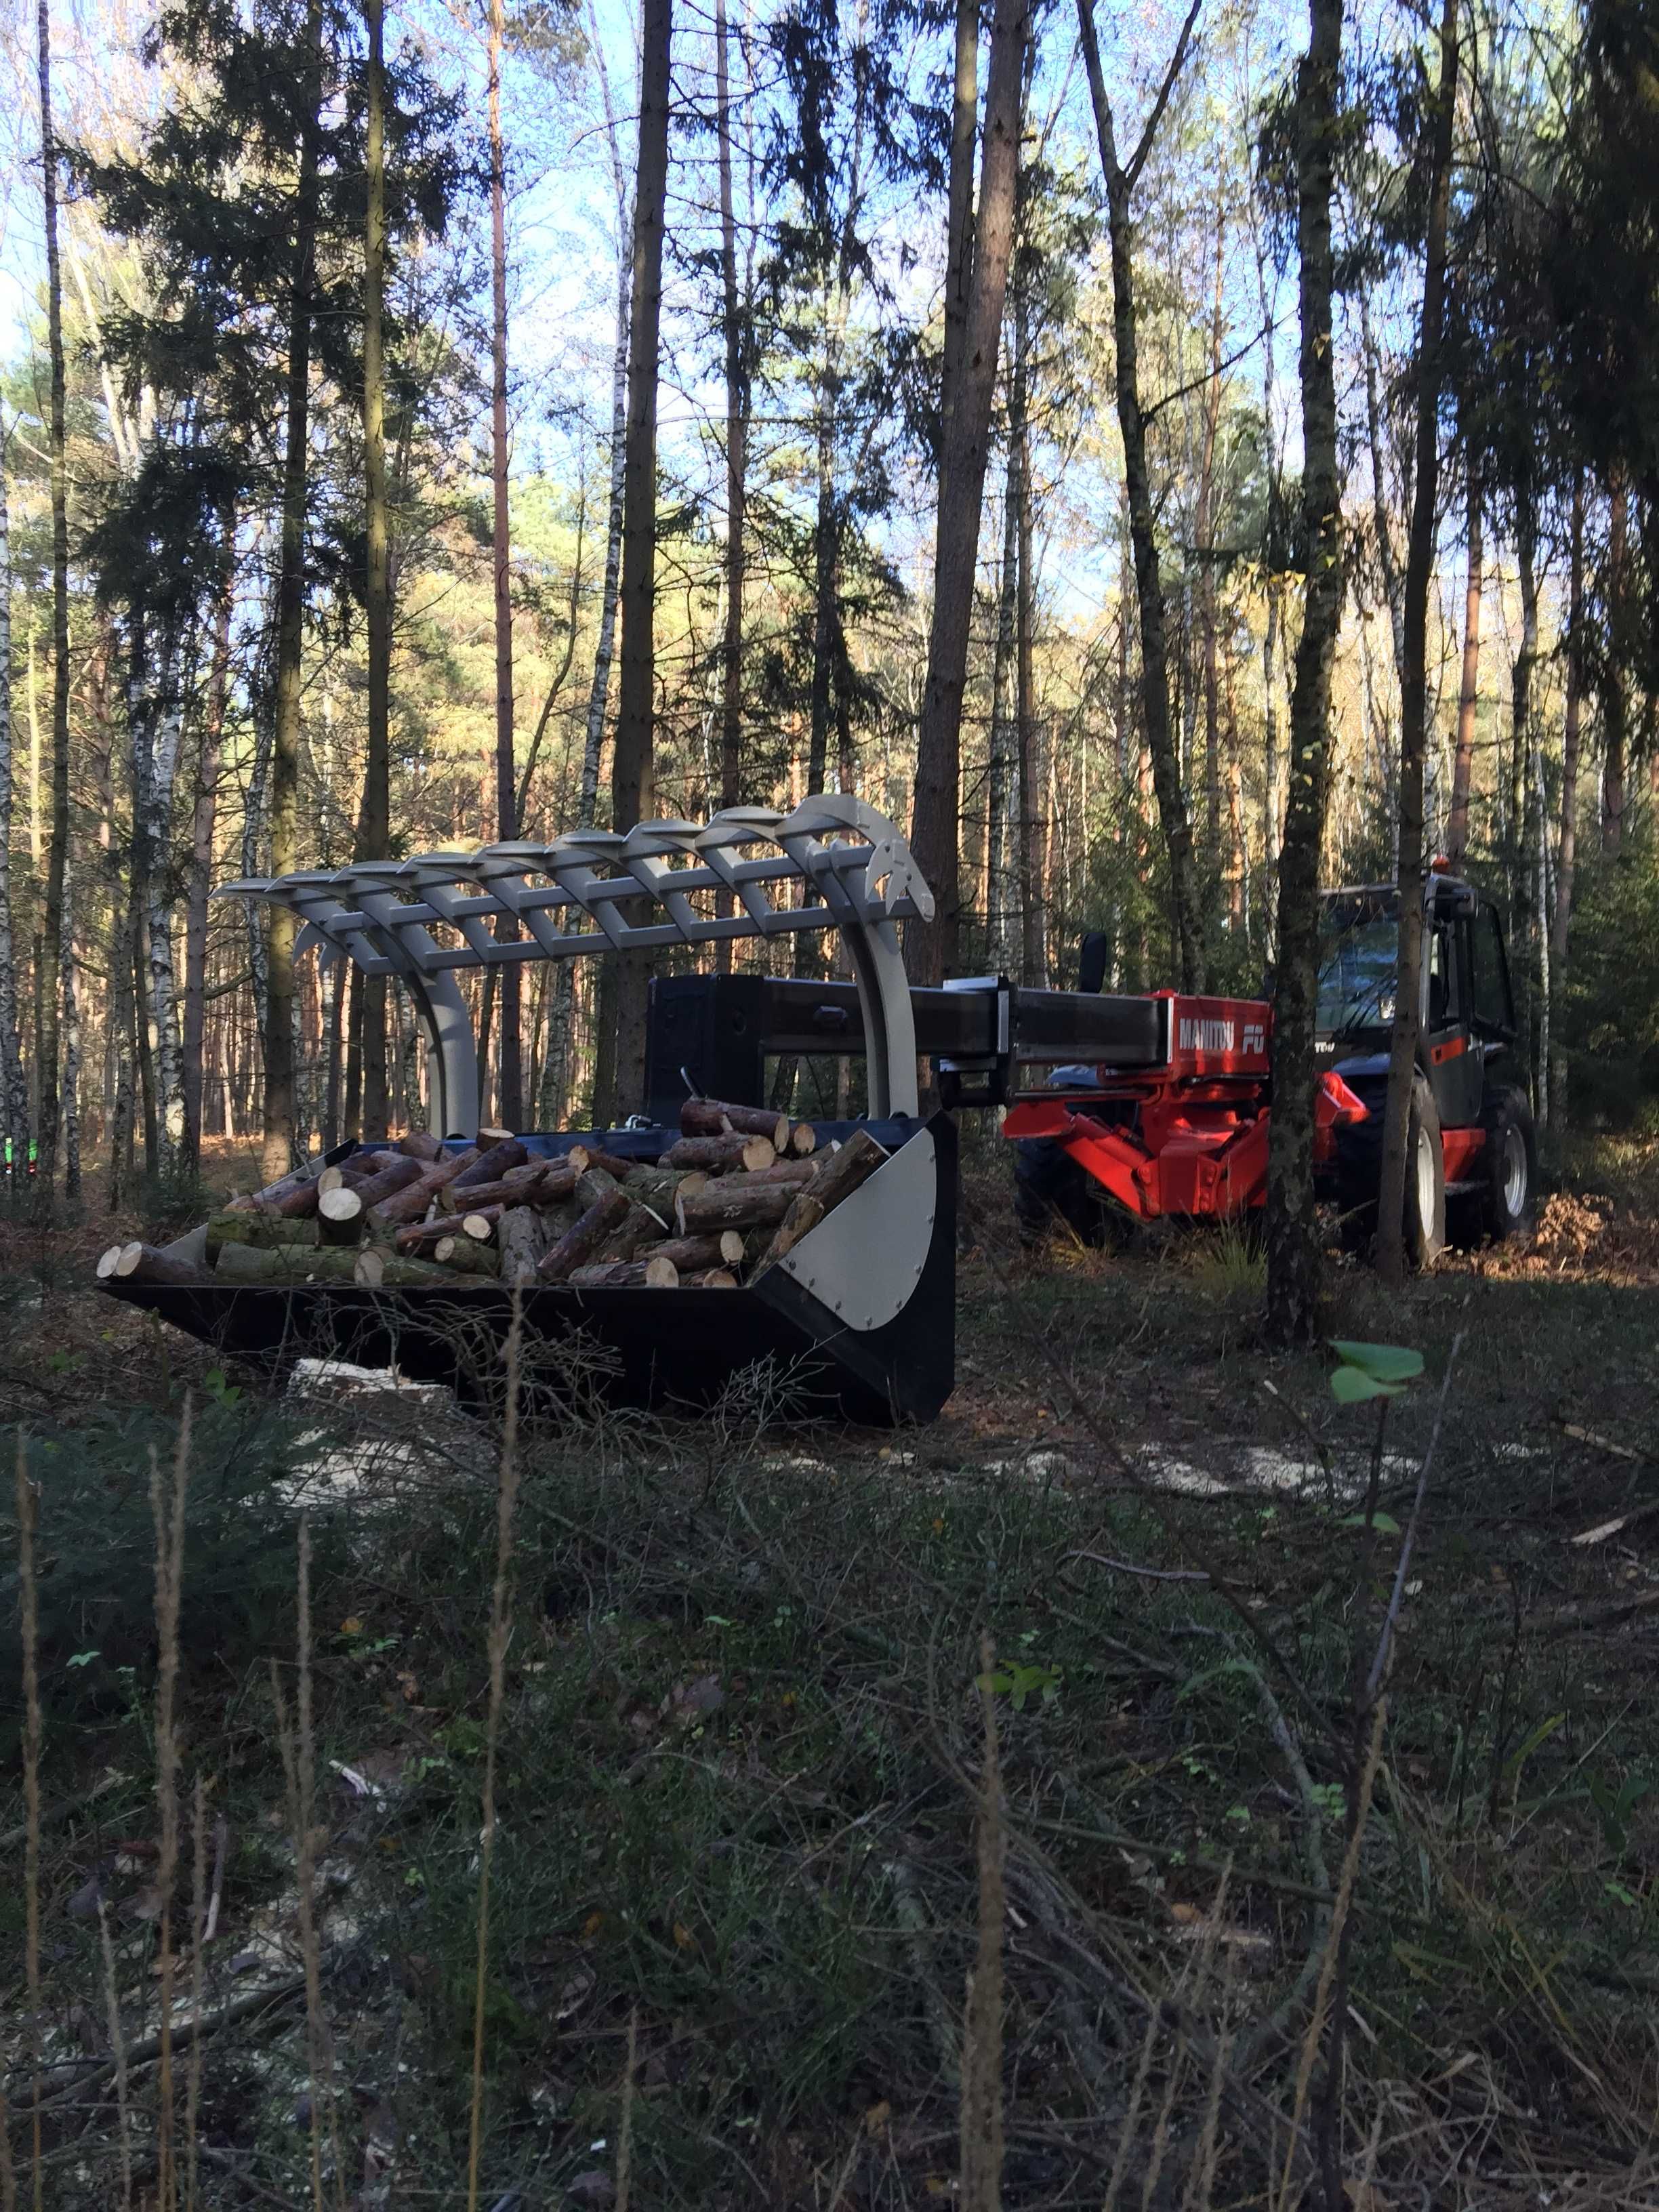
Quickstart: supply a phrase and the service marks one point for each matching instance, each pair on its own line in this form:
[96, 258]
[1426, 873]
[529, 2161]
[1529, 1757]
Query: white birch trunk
[163, 720]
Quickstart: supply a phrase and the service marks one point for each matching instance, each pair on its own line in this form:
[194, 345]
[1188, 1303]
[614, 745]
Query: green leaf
[1542, 1734]
[1350, 1384]
[1384, 1523]
[1387, 1363]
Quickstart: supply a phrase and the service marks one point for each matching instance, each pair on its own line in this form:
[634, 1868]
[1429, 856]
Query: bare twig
[30, 1625]
[981, 2029]
[625, 2120]
[1391, 1618]
[501, 1627]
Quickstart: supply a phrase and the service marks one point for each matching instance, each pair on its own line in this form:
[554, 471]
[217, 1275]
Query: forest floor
[734, 1894]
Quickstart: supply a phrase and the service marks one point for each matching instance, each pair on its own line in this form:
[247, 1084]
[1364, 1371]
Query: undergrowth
[744, 1843]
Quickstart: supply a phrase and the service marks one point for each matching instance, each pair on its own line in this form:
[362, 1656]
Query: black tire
[1360, 1179]
[1051, 1188]
[1505, 1206]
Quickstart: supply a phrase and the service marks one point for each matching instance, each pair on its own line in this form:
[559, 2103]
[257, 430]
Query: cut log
[782, 1175]
[341, 1215]
[840, 1172]
[618, 1165]
[716, 1153]
[466, 1256]
[712, 1278]
[522, 1237]
[144, 1263]
[410, 1205]
[291, 1195]
[492, 1161]
[716, 1208]
[421, 1235]
[652, 1274]
[693, 1254]
[286, 1263]
[599, 1219]
[399, 1173]
[639, 1226]
[715, 1118]
[488, 1140]
[422, 1145]
[803, 1140]
[805, 1212]
[263, 1230]
[658, 1188]
[379, 1270]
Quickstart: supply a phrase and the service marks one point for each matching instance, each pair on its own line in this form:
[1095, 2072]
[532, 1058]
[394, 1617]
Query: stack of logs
[739, 1188]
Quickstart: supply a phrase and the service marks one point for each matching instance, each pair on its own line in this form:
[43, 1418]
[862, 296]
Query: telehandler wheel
[1509, 1166]
[1049, 1187]
[1360, 1179]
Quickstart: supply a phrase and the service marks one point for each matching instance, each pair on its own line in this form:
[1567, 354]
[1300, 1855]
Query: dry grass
[682, 1810]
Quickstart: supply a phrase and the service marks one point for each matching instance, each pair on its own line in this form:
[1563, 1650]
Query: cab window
[1444, 997]
[1493, 1010]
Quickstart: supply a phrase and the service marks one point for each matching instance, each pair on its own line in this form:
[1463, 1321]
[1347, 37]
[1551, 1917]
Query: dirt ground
[744, 1857]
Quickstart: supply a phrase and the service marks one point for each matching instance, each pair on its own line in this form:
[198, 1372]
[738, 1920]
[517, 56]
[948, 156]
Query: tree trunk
[1003, 814]
[631, 768]
[1615, 712]
[1468, 690]
[14, 1085]
[737, 437]
[511, 1060]
[1567, 850]
[276, 1151]
[1033, 819]
[162, 724]
[1521, 719]
[375, 822]
[203, 817]
[1292, 1227]
[1186, 923]
[71, 1120]
[1204, 531]
[1382, 521]
[959, 218]
[1413, 706]
[46, 983]
[931, 947]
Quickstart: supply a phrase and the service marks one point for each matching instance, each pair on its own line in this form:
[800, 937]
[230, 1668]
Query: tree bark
[1615, 710]
[1186, 923]
[47, 982]
[203, 817]
[14, 1085]
[1521, 719]
[1413, 714]
[163, 725]
[1292, 1227]
[510, 1062]
[1468, 690]
[1567, 849]
[374, 823]
[1033, 817]
[930, 948]
[1382, 521]
[278, 1148]
[632, 765]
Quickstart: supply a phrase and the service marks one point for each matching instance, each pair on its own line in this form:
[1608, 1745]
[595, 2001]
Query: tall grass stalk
[297, 1736]
[625, 2123]
[501, 1629]
[118, 2052]
[167, 1504]
[197, 1945]
[982, 2024]
[31, 1632]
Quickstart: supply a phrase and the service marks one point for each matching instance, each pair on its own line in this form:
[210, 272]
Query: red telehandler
[1189, 1134]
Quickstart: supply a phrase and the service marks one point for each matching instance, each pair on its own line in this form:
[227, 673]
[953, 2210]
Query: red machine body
[1189, 1136]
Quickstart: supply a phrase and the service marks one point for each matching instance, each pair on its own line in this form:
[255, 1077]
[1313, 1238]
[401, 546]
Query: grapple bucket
[857, 1321]
[857, 1317]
